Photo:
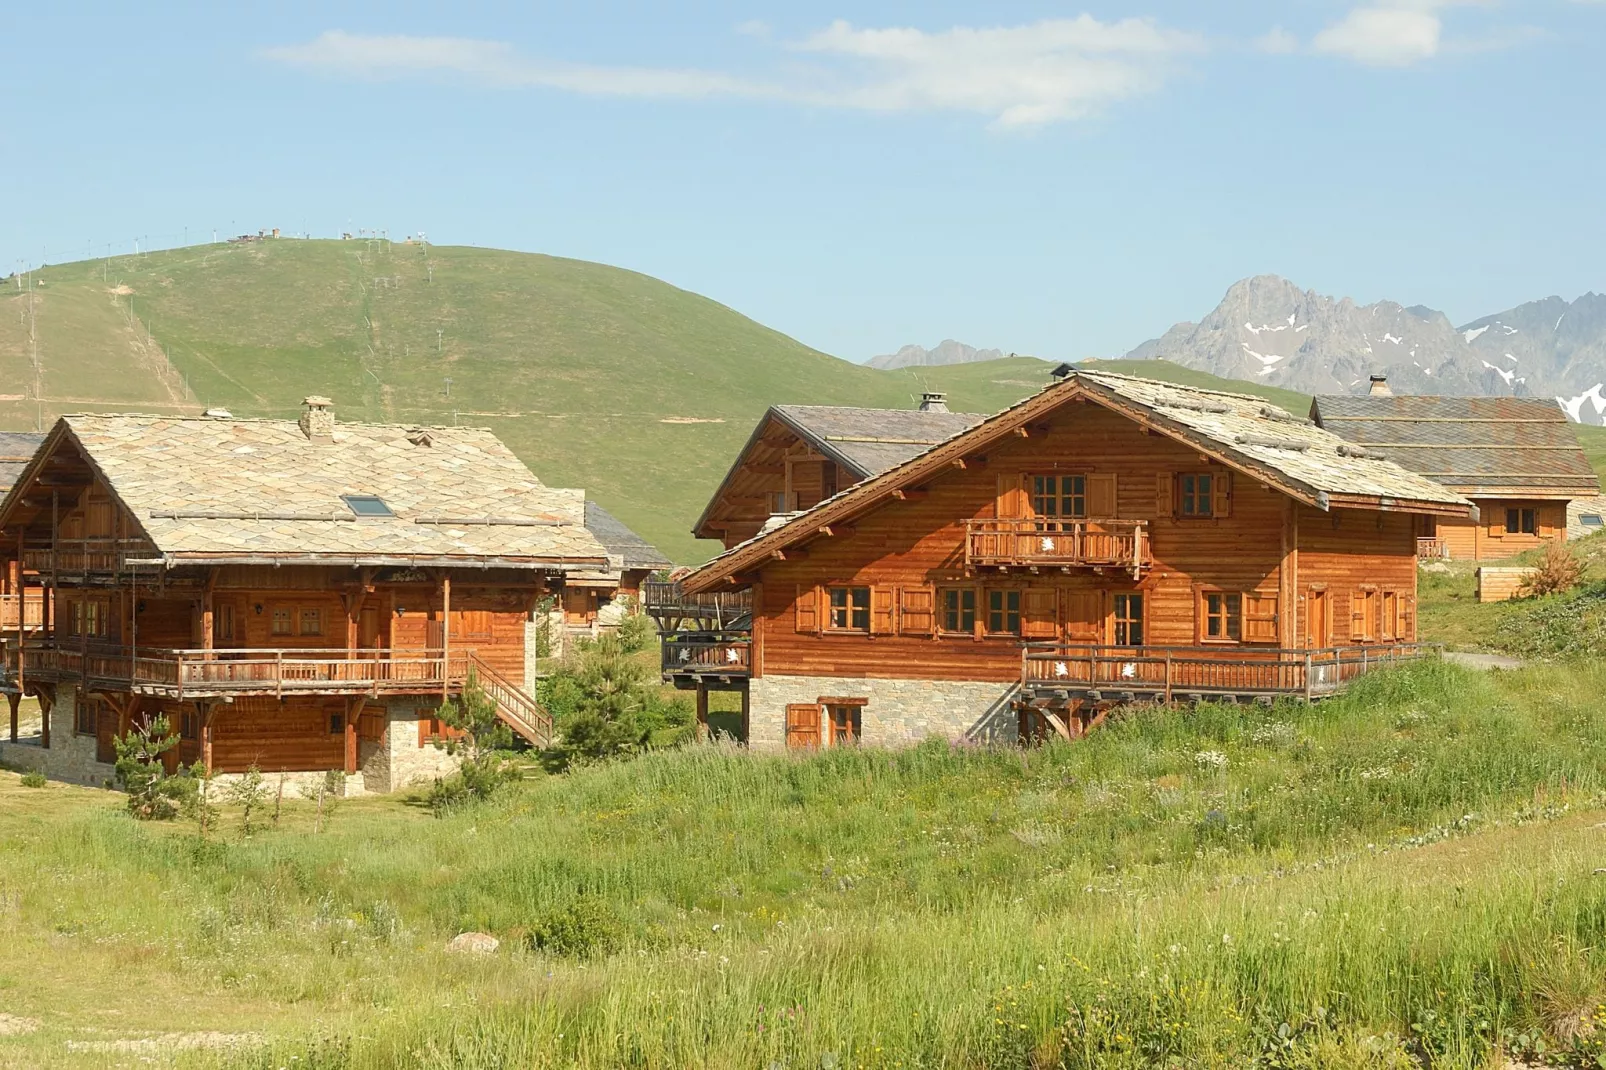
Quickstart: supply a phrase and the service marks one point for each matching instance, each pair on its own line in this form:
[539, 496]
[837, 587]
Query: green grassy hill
[596, 376]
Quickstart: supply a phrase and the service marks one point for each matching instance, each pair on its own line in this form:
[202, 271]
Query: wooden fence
[1500, 583]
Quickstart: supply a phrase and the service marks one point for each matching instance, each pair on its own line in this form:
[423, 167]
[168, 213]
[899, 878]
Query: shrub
[1558, 570]
[153, 794]
[481, 738]
[636, 630]
[1565, 625]
[606, 703]
[250, 795]
[588, 927]
[33, 779]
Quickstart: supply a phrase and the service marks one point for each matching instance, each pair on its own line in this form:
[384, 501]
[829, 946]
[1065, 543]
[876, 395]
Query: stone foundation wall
[70, 758]
[896, 712]
[399, 762]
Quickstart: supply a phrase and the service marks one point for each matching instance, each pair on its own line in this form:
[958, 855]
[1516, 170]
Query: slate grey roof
[631, 549]
[222, 489]
[870, 441]
[1476, 445]
[16, 450]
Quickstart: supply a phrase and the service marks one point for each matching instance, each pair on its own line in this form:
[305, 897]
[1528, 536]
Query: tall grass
[1384, 876]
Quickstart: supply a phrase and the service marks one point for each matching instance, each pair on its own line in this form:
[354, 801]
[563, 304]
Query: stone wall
[896, 712]
[70, 758]
[399, 762]
[1595, 506]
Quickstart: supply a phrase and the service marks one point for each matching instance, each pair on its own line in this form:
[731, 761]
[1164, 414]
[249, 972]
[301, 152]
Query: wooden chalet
[596, 600]
[16, 450]
[1517, 459]
[1108, 540]
[295, 595]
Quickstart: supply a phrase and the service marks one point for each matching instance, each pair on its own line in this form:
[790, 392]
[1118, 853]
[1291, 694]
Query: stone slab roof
[16, 450]
[870, 441]
[232, 489]
[1475, 445]
[631, 549]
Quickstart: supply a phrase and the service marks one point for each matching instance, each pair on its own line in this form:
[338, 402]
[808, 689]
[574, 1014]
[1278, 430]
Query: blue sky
[1047, 178]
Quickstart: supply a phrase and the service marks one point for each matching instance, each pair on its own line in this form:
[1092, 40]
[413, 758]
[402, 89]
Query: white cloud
[1019, 76]
[1396, 35]
[1277, 41]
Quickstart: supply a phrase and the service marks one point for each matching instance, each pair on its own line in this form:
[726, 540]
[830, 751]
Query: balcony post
[702, 710]
[446, 637]
[22, 600]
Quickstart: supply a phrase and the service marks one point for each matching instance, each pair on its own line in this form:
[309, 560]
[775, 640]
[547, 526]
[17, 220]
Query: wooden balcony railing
[83, 557]
[717, 611]
[1432, 550]
[730, 654]
[32, 610]
[1118, 543]
[196, 673]
[1167, 673]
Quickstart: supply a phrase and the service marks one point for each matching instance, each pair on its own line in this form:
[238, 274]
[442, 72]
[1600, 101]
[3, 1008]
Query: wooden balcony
[717, 611]
[1432, 550]
[91, 558]
[181, 674]
[1043, 543]
[1055, 674]
[32, 611]
[689, 659]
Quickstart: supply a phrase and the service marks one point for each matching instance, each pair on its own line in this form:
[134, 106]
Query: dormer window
[366, 505]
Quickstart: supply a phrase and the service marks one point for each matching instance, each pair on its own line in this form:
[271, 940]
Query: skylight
[366, 505]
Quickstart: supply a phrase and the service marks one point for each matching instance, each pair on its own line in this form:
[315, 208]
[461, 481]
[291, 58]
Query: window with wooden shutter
[1362, 615]
[803, 726]
[1012, 502]
[1084, 616]
[1391, 616]
[1165, 489]
[958, 607]
[883, 611]
[1221, 494]
[1040, 613]
[1260, 618]
[917, 610]
[1101, 496]
[1221, 616]
[806, 610]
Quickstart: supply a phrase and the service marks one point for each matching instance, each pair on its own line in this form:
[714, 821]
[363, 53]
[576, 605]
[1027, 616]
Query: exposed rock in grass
[168, 1042]
[13, 1025]
[474, 943]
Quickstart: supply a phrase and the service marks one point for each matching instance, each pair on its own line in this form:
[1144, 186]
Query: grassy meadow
[1407, 875]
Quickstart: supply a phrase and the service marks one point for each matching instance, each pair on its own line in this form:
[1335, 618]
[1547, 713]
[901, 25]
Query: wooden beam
[792, 554]
[841, 531]
[354, 708]
[702, 710]
[15, 699]
[911, 494]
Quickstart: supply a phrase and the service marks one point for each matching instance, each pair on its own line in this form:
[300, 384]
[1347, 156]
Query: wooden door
[803, 726]
[1317, 623]
[1084, 617]
[368, 637]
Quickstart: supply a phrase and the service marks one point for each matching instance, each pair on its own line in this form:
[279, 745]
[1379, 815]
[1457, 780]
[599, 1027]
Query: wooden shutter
[1390, 631]
[1084, 616]
[1260, 618]
[1407, 618]
[807, 609]
[883, 611]
[1101, 496]
[1165, 491]
[1497, 521]
[1360, 615]
[1039, 613]
[917, 610]
[803, 725]
[1013, 503]
[1221, 494]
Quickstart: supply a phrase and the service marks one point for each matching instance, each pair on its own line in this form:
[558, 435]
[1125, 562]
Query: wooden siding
[1501, 584]
[1488, 540]
[1365, 563]
[292, 736]
[780, 465]
[907, 551]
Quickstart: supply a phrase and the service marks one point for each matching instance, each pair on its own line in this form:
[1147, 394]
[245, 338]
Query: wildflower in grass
[1210, 759]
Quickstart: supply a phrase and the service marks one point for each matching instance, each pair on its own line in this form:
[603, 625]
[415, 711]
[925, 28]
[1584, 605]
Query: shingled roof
[218, 490]
[630, 549]
[1478, 446]
[16, 450]
[870, 441]
[1243, 432]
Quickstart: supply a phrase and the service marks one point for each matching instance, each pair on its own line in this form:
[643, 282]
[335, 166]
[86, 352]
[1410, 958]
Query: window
[780, 502]
[337, 724]
[223, 623]
[828, 479]
[312, 622]
[959, 610]
[1522, 522]
[1195, 493]
[850, 609]
[1590, 520]
[1223, 615]
[366, 505]
[283, 622]
[88, 618]
[1003, 612]
[1129, 619]
[1059, 496]
[845, 724]
[189, 725]
[84, 717]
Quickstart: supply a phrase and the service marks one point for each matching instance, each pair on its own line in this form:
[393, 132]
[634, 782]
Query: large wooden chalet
[297, 596]
[1108, 540]
[1517, 459]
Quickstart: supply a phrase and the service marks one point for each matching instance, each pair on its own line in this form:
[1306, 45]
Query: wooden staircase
[517, 710]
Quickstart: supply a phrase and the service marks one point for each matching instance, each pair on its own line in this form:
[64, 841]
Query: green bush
[588, 927]
[484, 737]
[606, 703]
[33, 779]
[153, 793]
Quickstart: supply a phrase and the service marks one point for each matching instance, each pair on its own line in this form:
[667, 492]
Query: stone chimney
[1380, 387]
[931, 401]
[317, 418]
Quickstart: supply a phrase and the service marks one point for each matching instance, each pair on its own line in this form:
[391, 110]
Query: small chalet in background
[16, 450]
[295, 595]
[1109, 539]
[1518, 459]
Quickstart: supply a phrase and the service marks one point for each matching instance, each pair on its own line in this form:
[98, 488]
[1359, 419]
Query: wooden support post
[446, 636]
[47, 703]
[15, 699]
[22, 601]
[702, 710]
[747, 714]
[208, 711]
[353, 711]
